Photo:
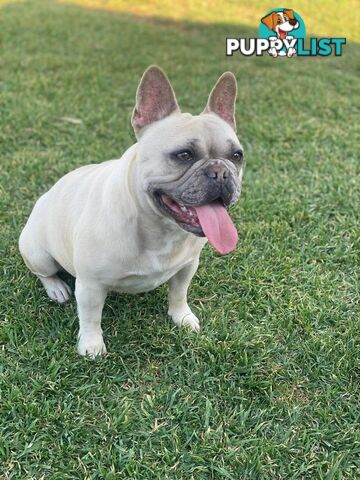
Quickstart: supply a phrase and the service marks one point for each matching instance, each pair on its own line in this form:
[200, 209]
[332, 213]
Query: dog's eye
[279, 20]
[238, 155]
[286, 18]
[185, 155]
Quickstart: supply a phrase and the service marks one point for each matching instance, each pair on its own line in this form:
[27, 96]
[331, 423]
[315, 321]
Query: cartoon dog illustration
[281, 23]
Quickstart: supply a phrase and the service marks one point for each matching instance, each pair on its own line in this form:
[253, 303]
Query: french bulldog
[132, 224]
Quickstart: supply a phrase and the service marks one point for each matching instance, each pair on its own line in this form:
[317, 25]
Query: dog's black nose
[217, 171]
[293, 21]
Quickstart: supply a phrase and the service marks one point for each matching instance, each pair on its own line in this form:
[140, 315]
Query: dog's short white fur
[99, 224]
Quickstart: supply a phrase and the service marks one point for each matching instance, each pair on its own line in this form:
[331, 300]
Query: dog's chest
[139, 282]
[153, 268]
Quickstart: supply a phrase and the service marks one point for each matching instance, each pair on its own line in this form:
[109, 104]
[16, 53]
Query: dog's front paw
[291, 52]
[91, 345]
[273, 52]
[186, 319]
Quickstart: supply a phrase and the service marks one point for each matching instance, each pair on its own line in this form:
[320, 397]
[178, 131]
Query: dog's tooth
[183, 208]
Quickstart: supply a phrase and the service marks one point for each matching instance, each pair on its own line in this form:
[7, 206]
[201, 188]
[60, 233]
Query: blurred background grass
[332, 18]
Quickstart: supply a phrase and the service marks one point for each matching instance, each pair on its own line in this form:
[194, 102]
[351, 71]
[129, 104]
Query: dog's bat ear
[222, 99]
[290, 13]
[269, 20]
[155, 99]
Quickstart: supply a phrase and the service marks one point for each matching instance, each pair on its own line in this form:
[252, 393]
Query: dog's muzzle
[220, 184]
[198, 201]
[213, 181]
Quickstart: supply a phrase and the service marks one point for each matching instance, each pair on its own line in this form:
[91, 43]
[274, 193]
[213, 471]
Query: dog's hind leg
[57, 289]
[44, 266]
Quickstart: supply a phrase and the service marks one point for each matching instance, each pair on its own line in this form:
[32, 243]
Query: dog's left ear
[222, 99]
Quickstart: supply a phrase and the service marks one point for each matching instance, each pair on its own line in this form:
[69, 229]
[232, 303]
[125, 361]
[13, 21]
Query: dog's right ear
[155, 99]
[270, 20]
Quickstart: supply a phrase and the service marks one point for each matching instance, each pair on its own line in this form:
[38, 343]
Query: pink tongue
[218, 227]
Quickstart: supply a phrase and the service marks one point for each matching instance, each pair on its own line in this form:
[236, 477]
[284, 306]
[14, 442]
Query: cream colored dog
[129, 225]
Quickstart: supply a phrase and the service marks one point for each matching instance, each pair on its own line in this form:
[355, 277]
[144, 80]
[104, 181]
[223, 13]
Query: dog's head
[190, 166]
[281, 22]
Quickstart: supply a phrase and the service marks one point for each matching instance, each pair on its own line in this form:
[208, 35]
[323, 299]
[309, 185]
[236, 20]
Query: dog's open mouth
[211, 220]
[183, 214]
[282, 34]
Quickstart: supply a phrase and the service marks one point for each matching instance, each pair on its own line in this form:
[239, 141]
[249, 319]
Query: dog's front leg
[179, 309]
[90, 300]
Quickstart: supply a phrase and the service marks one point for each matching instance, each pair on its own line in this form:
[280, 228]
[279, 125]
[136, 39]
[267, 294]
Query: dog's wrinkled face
[191, 166]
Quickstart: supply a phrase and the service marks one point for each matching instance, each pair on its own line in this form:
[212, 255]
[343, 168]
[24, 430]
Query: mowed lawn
[268, 389]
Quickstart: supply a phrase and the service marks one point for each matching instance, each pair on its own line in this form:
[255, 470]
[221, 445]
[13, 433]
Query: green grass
[268, 390]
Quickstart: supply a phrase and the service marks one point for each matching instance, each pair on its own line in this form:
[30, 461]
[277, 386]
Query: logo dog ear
[270, 20]
[289, 13]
